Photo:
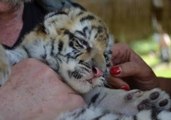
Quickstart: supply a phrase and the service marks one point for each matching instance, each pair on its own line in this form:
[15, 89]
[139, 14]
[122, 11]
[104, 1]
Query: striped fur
[77, 45]
[106, 104]
[92, 113]
[74, 43]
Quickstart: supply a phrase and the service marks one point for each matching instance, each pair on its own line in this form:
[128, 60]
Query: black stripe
[43, 56]
[100, 100]
[76, 115]
[67, 32]
[98, 117]
[61, 12]
[94, 98]
[103, 115]
[71, 44]
[80, 13]
[76, 75]
[69, 73]
[78, 42]
[85, 29]
[26, 51]
[57, 13]
[135, 117]
[84, 63]
[78, 54]
[78, 6]
[57, 66]
[86, 69]
[88, 17]
[52, 47]
[67, 59]
[59, 59]
[60, 46]
[80, 32]
[100, 29]
[154, 114]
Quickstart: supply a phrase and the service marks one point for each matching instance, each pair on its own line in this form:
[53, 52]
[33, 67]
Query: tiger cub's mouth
[96, 73]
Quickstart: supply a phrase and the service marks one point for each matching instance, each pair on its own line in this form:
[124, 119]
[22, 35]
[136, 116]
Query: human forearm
[34, 91]
[165, 84]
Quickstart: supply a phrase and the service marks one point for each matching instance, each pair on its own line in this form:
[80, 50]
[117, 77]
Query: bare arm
[130, 71]
[35, 92]
[165, 84]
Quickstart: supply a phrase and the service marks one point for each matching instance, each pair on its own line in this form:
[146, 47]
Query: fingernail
[115, 70]
[125, 87]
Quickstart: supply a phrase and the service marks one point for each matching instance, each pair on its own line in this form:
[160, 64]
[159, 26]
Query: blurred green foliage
[145, 46]
[148, 49]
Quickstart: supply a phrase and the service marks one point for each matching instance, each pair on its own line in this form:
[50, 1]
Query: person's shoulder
[33, 5]
[33, 14]
[51, 5]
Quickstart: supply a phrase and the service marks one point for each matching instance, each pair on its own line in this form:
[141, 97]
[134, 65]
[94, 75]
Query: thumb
[125, 70]
[117, 83]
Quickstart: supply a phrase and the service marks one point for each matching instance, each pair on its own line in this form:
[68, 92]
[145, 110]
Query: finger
[125, 70]
[120, 53]
[118, 83]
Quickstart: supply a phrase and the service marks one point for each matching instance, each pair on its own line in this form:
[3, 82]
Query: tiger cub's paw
[4, 67]
[155, 98]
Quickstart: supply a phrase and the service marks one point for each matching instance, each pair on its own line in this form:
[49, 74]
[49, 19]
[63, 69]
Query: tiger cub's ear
[55, 21]
[4, 66]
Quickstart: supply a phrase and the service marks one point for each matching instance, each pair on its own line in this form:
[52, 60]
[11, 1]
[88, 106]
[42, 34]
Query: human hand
[129, 70]
[34, 91]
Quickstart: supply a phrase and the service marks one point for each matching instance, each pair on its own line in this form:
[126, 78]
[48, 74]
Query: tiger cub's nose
[97, 72]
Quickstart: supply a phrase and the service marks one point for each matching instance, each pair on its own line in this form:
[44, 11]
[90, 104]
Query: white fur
[164, 115]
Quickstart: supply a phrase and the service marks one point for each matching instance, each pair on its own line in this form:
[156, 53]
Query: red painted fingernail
[125, 87]
[115, 70]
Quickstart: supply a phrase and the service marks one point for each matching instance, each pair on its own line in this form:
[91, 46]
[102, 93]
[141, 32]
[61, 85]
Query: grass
[149, 51]
[163, 72]
[144, 46]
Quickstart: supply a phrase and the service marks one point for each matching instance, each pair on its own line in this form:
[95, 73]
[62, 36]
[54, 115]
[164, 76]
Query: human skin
[165, 84]
[130, 71]
[11, 23]
[35, 92]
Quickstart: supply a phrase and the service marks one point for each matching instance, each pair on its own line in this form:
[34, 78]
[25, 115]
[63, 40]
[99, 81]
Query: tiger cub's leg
[95, 113]
[9, 58]
[16, 55]
[4, 66]
[128, 102]
[89, 113]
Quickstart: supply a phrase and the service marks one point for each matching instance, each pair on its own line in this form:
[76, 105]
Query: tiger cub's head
[88, 41]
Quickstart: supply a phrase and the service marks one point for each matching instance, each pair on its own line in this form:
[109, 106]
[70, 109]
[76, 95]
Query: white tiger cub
[76, 44]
